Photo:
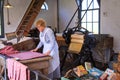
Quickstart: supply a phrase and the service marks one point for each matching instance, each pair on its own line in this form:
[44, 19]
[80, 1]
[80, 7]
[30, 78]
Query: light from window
[44, 6]
[90, 20]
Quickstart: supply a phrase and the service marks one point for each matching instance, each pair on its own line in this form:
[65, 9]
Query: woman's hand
[34, 50]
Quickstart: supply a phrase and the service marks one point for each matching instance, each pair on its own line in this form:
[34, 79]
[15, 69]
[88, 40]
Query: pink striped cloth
[8, 50]
[17, 71]
[27, 55]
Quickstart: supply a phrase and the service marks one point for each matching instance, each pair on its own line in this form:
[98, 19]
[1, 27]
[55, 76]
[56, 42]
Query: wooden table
[41, 64]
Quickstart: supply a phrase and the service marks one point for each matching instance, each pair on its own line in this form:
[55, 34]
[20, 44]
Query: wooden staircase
[27, 20]
[29, 17]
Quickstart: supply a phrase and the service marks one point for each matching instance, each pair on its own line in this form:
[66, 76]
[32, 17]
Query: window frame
[2, 18]
[80, 14]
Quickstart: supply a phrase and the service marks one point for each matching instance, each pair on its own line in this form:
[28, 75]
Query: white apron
[54, 62]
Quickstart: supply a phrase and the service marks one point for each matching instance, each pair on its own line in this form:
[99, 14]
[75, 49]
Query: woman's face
[40, 28]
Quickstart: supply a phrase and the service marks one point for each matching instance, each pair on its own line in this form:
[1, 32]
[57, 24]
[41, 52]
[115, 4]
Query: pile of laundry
[8, 50]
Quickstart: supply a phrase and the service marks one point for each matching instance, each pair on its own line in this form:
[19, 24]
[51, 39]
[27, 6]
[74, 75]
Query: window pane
[84, 18]
[89, 27]
[96, 4]
[95, 28]
[95, 16]
[44, 6]
[83, 25]
[89, 16]
[91, 6]
[84, 5]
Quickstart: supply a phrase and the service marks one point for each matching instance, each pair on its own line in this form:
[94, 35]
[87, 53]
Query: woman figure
[50, 47]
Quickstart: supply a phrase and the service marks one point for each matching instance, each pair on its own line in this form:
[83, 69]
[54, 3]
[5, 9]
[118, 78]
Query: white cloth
[47, 39]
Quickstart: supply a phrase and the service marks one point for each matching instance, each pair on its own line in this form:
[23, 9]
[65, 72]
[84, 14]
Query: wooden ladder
[29, 18]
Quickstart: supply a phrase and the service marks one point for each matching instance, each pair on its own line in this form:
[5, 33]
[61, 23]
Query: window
[90, 15]
[44, 6]
[1, 19]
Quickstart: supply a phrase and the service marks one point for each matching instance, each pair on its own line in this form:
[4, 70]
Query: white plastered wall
[49, 15]
[15, 14]
[110, 20]
[66, 10]
[19, 8]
